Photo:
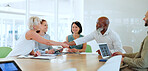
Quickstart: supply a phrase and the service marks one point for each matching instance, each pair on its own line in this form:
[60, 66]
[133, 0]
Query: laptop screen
[104, 50]
[9, 66]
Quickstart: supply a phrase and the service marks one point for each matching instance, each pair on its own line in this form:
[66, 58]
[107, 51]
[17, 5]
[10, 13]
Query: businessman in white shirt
[102, 34]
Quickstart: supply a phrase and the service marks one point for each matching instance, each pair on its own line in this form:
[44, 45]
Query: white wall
[125, 18]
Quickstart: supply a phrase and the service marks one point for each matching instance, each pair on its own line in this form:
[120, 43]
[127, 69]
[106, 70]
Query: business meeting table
[80, 62]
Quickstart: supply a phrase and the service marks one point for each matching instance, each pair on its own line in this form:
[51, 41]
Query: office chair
[88, 49]
[4, 51]
[128, 49]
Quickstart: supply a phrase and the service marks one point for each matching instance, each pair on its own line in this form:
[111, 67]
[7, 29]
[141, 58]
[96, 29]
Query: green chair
[4, 51]
[88, 49]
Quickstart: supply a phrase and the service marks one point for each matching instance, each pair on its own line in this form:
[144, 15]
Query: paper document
[113, 61]
[48, 54]
[88, 53]
[38, 57]
[44, 57]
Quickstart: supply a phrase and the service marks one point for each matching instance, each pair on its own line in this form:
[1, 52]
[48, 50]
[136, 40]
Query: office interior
[126, 18]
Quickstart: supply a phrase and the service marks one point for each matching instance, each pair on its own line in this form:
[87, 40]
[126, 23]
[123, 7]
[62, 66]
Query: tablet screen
[104, 50]
[9, 66]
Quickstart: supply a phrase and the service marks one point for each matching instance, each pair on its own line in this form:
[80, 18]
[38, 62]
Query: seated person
[76, 29]
[26, 43]
[42, 47]
[102, 34]
[136, 61]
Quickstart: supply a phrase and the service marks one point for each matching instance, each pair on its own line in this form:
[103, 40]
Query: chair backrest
[88, 49]
[128, 49]
[4, 51]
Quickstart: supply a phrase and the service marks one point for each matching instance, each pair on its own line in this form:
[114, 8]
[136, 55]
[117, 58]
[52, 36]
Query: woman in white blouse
[26, 43]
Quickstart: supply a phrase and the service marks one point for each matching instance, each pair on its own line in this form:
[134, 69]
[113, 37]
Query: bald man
[102, 34]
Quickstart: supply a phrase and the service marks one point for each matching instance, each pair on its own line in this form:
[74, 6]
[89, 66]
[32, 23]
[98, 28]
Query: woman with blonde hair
[42, 48]
[26, 43]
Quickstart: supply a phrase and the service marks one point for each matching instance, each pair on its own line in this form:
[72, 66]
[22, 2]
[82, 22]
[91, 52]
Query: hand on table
[50, 51]
[73, 50]
[61, 49]
[37, 53]
[117, 53]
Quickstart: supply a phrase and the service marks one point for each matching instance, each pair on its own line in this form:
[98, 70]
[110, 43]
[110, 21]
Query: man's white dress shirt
[110, 37]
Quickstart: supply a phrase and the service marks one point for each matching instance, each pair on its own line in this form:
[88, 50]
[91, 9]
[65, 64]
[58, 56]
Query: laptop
[104, 50]
[9, 66]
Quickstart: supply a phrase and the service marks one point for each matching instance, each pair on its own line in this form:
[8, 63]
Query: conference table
[79, 62]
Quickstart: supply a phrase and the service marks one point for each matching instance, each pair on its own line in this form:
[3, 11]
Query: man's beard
[100, 29]
[146, 24]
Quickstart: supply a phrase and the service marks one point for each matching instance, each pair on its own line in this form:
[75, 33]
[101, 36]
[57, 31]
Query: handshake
[52, 51]
[65, 44]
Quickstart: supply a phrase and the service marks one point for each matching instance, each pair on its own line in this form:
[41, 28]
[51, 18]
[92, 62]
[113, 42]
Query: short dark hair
[78, 24]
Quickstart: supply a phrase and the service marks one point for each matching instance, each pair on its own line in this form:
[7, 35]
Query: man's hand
[117, 53]
[122, 59]
[98, 52]
[70, 43]
[65, 45]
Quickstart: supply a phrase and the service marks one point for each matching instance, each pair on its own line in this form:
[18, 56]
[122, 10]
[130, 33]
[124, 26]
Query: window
[59, 15]
[12, 22]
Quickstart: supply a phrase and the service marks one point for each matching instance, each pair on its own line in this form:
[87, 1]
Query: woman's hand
[32, 52]
[73, 50]
[37, 53]
[50, 51]
[61, 49]
[64, 45]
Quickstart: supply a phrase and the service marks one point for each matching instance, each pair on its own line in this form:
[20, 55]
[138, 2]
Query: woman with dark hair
[76, 30]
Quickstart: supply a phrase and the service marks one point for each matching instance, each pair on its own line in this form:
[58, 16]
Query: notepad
[48, 54]
[44, 57]
[38, 57]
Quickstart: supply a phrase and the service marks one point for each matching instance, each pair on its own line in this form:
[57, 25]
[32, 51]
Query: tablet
[105, 52]
[9, 66]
